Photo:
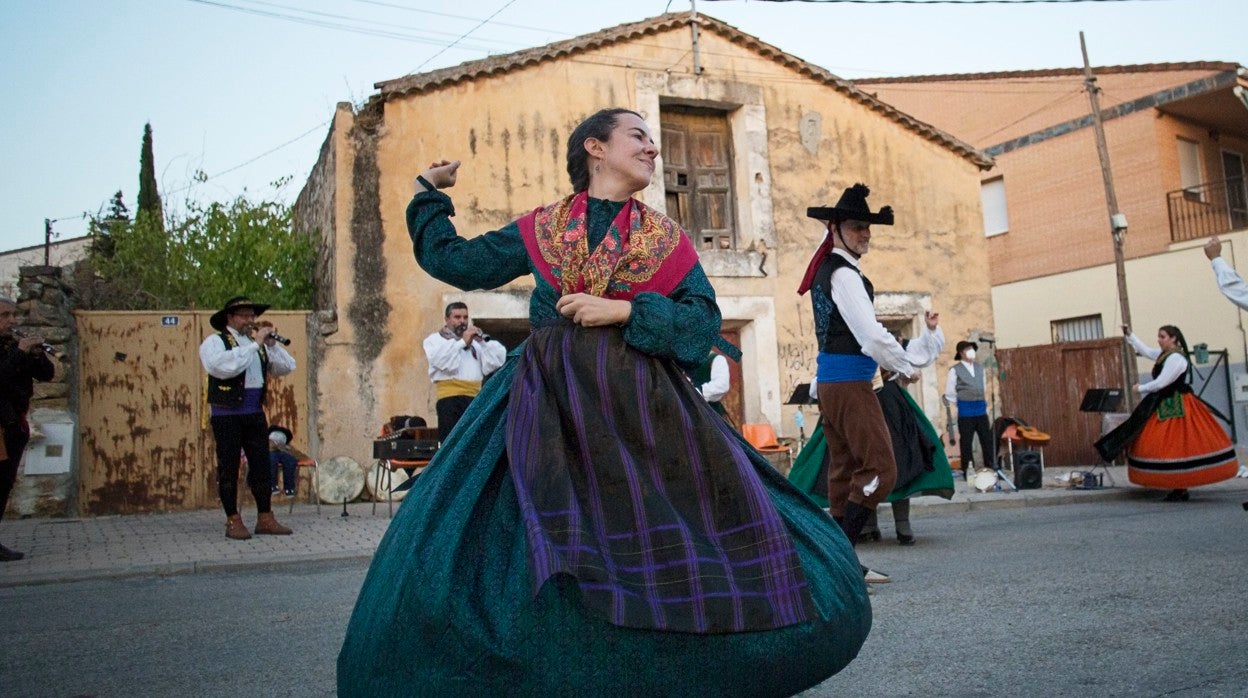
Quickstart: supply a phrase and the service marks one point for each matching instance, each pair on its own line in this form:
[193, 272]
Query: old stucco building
[750, 137]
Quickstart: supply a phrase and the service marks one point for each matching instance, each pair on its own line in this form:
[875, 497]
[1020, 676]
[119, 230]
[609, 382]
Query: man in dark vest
[22, 361]
[239, 358]
[853, 345]
[965, 387]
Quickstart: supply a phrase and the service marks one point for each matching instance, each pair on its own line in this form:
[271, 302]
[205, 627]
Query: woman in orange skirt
[1173, 439]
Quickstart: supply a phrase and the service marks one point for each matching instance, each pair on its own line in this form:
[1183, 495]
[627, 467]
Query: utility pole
[693, 27]
[1117, 221]
[47, 242]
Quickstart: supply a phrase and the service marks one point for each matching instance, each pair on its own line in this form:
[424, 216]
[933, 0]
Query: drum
[985, 480]
[340, 479]
[381, 485]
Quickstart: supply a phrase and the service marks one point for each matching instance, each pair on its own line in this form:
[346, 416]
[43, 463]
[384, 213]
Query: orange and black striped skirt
[1182, 445]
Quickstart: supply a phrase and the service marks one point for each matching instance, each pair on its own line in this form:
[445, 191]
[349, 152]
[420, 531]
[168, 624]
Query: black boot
[8, 555]
[870, 530]
[901, 522]
[856, 516]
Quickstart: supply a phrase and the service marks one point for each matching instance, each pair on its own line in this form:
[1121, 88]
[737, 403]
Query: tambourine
[985, 480]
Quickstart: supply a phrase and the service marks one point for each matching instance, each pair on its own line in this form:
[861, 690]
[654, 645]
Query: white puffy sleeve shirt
[852, 301]
[1174, 367]
[223, 363]
[451, 359]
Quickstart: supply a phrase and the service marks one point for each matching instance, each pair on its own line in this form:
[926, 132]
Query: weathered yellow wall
[510, 131]
[145, 443]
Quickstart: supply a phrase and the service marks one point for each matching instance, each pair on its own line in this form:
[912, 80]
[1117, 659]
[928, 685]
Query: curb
[172, 569]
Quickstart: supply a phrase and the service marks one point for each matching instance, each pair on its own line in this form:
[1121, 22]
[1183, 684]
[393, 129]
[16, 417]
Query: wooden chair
[390, 465]
[303, 460]
[763, 438]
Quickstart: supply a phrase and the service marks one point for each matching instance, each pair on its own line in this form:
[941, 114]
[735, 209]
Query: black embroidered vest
[228, 392]
[830, 328]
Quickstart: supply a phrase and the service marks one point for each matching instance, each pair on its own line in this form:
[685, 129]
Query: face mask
[968, 355]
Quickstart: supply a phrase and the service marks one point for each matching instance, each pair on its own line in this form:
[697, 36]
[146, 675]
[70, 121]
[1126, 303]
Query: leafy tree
[198, 260]
[101, 226]
[149, 196]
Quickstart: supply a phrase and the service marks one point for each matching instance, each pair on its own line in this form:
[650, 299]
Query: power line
[268, 152]
[451, 16]
[351, 18]
[339, 26]
[951, 2]
[465, 34]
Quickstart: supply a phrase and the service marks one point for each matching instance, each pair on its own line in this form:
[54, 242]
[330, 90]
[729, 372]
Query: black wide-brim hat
[852, 207]
[957, 352]
[234, 305]
[283, 431]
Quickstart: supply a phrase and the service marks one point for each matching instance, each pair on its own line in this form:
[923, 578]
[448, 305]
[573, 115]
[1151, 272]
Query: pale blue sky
[223, 86]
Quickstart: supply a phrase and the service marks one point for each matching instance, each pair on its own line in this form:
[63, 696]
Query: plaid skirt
[454, 601]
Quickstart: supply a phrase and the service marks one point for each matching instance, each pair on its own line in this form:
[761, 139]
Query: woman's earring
[596, 169]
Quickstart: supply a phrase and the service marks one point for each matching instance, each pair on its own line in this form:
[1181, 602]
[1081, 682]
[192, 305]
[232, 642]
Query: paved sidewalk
[59, 550]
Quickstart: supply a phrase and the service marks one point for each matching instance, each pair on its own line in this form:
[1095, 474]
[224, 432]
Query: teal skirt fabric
[808, 467]
[447, 607]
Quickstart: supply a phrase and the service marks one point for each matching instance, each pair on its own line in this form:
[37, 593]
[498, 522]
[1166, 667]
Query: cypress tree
[149, 197]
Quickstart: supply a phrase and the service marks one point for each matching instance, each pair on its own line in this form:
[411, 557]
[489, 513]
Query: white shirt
[716, 388]
[923, 350]
[1230, 283]
[850, 296]
[224, 363]
[1174, 367]
[450, 359]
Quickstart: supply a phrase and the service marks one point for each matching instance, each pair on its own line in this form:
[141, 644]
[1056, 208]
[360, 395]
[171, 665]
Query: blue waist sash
[845, 368]
[972, 408]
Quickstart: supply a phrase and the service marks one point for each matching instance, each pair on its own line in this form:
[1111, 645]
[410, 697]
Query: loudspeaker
[1028, 474]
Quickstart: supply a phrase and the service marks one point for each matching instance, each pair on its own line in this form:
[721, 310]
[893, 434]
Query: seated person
[281, 453]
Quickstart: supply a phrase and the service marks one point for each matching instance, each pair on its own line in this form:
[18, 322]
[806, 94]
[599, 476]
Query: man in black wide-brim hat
[239, 358]
[853, 346]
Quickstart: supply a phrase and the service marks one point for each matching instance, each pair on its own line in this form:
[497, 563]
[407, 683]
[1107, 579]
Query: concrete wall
[797, 143]
[60, 253]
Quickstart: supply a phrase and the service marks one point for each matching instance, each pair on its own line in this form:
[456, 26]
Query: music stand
[800, 397]
[1102, 400]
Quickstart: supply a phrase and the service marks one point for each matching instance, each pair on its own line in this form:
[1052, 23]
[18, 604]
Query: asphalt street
[1133, 597]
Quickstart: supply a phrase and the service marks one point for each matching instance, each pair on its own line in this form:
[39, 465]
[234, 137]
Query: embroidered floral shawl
[643, 250]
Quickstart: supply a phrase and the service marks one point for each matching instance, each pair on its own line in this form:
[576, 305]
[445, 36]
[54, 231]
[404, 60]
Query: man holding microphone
[239, 359]
[460, 357]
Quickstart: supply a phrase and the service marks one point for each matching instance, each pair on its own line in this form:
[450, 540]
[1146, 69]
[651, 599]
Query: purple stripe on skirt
[628, 482]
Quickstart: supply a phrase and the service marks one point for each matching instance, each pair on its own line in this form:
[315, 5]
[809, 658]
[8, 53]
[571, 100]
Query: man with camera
[239, 358]
[460, 357]
[23, 360]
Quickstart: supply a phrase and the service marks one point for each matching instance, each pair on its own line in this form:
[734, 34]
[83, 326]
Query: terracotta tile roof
[1054, 73]
[674, 21]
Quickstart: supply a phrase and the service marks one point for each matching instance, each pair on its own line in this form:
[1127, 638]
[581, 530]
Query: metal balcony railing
[1209, 209]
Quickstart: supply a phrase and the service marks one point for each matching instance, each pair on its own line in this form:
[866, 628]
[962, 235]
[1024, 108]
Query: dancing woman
[592, 527]
[1172, 439]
